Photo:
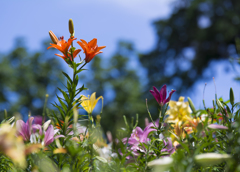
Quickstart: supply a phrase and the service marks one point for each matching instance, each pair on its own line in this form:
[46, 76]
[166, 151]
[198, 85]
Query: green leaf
[60, 110]
[64, 94]
[101, 159]
[69, 86]
[80, 70]
[76, 80]
[62, 104]
[66, 75]
[55, 116]
[80, 90]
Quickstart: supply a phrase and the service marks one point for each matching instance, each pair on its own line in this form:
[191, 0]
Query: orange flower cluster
[90, 49]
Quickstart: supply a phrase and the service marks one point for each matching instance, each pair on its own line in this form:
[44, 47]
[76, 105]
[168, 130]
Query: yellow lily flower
[179, 111]
[89, 103]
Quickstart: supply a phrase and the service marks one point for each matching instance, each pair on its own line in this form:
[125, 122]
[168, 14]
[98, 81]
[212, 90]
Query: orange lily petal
[93, 42]
[75, 53]
[63, 57]
[99, 48]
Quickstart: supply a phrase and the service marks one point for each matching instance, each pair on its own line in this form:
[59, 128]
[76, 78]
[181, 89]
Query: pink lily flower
[139, 136]
[24, 129]
[169, 146]
[32, 132]
[50, 135]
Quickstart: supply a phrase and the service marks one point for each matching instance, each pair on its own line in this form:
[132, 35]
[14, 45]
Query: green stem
[82, 66]
[160, 118]
[44, 109]
[90, 121]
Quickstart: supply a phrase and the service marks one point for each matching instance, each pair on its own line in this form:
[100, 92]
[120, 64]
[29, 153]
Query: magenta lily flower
[161, 95]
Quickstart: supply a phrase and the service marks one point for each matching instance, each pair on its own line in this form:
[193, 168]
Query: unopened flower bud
[46, 125]
[191, 105]
[161, 164]
[217, 127]
[53, 37]
[209, 159]
[71, 27]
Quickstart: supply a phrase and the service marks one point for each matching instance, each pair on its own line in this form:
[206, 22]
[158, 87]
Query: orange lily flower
[63, 46]
[90, 49]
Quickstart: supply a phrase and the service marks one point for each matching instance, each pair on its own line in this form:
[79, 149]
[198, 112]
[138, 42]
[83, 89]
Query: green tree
[26, 78]
[196, 33]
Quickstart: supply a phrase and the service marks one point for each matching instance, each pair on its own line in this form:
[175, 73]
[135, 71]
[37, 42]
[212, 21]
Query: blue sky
[106, 20]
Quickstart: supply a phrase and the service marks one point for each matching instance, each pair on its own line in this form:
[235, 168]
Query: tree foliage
[196, 33]
[26, 78]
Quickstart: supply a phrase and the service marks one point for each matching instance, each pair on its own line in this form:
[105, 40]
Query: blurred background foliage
[196, 33]
[26, 78]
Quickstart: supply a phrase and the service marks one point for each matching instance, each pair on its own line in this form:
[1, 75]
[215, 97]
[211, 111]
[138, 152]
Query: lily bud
[161, 164]
[217, 127]
[53, 37]
[71, 27]
[191, 105]
[46, 124]
[208, 159]
[11, 120]
[231, 96]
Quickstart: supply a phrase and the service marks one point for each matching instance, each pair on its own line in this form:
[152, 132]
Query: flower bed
[181, 139]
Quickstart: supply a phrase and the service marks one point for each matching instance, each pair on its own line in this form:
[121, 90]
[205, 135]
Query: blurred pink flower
[139, 136]
[50, 135]
[169, 146]
[24, 129]
[33, 132]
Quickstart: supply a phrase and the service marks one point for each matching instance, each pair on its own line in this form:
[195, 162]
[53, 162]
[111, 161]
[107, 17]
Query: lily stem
[90, 142]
